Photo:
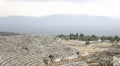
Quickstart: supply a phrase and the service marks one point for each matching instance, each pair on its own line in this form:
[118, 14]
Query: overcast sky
[40, 8]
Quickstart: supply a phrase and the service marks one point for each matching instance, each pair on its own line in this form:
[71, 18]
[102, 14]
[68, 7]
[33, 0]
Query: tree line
[92, 37]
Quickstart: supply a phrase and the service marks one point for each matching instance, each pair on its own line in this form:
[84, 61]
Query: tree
[71, 36]
[111, 39]
[103, 38]
[61, 36]
[116, 38]
[66, 37]
[77, 35]
[81, 36]
[93, 37]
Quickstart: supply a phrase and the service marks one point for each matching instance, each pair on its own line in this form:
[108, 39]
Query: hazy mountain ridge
[54, 24]
[8, 33]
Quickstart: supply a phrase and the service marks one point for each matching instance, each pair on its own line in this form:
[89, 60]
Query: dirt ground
[94, 46]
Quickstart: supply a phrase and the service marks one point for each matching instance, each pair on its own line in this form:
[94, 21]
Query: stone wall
[116, 60]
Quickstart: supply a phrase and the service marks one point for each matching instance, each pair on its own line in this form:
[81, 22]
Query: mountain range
[61, 24]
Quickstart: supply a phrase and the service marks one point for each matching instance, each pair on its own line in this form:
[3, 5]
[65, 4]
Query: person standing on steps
[78, 53]
[52, 58]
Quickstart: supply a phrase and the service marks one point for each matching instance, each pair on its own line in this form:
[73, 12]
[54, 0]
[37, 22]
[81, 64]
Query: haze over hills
[61, 24]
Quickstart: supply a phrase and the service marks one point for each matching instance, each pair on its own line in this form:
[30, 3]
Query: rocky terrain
[80, 63]
[39, 50]
[30, 50]
[104, 53]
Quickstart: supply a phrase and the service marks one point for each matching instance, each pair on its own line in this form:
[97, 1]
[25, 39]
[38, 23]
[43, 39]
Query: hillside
[30, 50]
[8, 33]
